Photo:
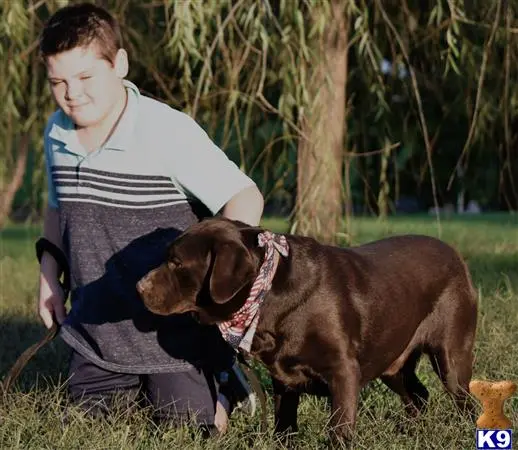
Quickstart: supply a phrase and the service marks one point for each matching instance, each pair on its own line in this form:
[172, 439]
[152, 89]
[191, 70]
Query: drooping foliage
[332, 107]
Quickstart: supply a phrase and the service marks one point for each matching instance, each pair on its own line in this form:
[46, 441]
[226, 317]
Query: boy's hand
[51, 302]
[222, 413]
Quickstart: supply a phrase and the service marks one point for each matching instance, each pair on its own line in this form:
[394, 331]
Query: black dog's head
[206, 266]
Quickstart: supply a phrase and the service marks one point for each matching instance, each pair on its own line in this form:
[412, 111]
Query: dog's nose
[143, 285]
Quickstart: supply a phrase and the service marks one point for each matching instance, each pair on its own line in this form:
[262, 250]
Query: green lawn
[31, 417]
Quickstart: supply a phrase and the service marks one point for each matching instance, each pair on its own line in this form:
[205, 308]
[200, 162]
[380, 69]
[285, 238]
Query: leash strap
[42, 245]
[25, 357]
[256, 385]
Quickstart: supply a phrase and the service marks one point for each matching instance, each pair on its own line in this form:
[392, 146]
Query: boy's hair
[79, 26]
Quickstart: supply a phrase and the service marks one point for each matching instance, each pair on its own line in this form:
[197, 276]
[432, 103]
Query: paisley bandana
[239, 331]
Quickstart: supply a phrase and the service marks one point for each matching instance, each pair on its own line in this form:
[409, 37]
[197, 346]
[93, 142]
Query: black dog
[334, 318]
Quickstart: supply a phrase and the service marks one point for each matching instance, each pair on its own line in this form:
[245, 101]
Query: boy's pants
[174, 397]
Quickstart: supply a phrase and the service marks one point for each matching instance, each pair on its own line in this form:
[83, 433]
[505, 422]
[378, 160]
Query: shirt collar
[63, 128]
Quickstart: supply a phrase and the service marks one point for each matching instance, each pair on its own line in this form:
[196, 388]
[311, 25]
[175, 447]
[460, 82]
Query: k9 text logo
[494, 439]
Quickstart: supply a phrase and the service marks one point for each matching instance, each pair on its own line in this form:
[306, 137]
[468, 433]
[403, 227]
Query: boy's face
[86, 87]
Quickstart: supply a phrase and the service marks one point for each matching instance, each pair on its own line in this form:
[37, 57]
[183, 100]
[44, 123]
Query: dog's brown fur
[335, 318]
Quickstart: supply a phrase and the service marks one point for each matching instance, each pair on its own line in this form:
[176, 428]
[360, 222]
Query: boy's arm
[51, 298]
[204, 172]
[49, 266]
[246, 206]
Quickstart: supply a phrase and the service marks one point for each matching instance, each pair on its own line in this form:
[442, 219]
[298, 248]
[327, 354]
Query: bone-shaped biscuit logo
[492, 396]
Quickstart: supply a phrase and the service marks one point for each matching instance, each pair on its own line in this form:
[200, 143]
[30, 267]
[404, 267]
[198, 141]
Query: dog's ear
[232, 270]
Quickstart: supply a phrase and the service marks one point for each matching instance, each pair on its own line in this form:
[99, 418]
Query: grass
[31, 417]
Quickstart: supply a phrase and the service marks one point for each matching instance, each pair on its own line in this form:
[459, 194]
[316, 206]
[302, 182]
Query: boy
[125, 174]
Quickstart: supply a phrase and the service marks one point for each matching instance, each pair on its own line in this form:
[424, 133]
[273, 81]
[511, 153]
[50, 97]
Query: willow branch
[481, 78]
[422, 119]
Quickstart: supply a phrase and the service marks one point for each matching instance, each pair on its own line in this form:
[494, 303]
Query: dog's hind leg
[453, 364]
[454, 368]
[405, 383]
[451, 349]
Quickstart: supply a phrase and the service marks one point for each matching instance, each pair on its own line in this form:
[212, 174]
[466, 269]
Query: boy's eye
[55, 82]
[86, 77]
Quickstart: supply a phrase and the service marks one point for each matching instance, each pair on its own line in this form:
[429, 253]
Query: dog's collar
[240, 330]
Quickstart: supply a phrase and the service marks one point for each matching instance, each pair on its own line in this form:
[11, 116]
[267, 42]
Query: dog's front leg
[345, 387]
[286, 406]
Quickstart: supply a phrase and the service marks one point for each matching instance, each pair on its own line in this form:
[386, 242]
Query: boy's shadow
[117, 299]
[115, 296]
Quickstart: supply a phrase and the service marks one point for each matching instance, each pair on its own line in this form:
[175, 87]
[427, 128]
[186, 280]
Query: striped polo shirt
[120, 206]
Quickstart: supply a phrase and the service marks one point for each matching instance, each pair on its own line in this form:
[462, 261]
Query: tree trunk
[320, 156]
[9, 191]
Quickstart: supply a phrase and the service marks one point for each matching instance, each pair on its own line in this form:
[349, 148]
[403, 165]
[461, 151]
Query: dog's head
[208, 264]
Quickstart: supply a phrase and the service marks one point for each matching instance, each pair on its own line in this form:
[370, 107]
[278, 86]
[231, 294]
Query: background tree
[320, 154]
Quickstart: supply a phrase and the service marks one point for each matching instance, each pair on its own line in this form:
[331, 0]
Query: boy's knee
[97, 391]
[185, 397]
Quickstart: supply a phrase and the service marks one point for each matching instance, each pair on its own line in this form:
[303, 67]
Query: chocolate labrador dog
[332, 319]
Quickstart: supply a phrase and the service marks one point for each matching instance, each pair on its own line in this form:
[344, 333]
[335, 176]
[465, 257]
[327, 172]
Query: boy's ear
[121, 63]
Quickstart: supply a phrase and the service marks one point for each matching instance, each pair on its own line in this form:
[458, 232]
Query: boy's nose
[74, 90]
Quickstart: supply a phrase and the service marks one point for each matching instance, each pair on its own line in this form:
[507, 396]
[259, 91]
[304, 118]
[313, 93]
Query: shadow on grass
[48, 368]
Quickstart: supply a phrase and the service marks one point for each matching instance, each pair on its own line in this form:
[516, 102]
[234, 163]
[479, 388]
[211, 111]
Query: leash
[257, 387]
[42, 245]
